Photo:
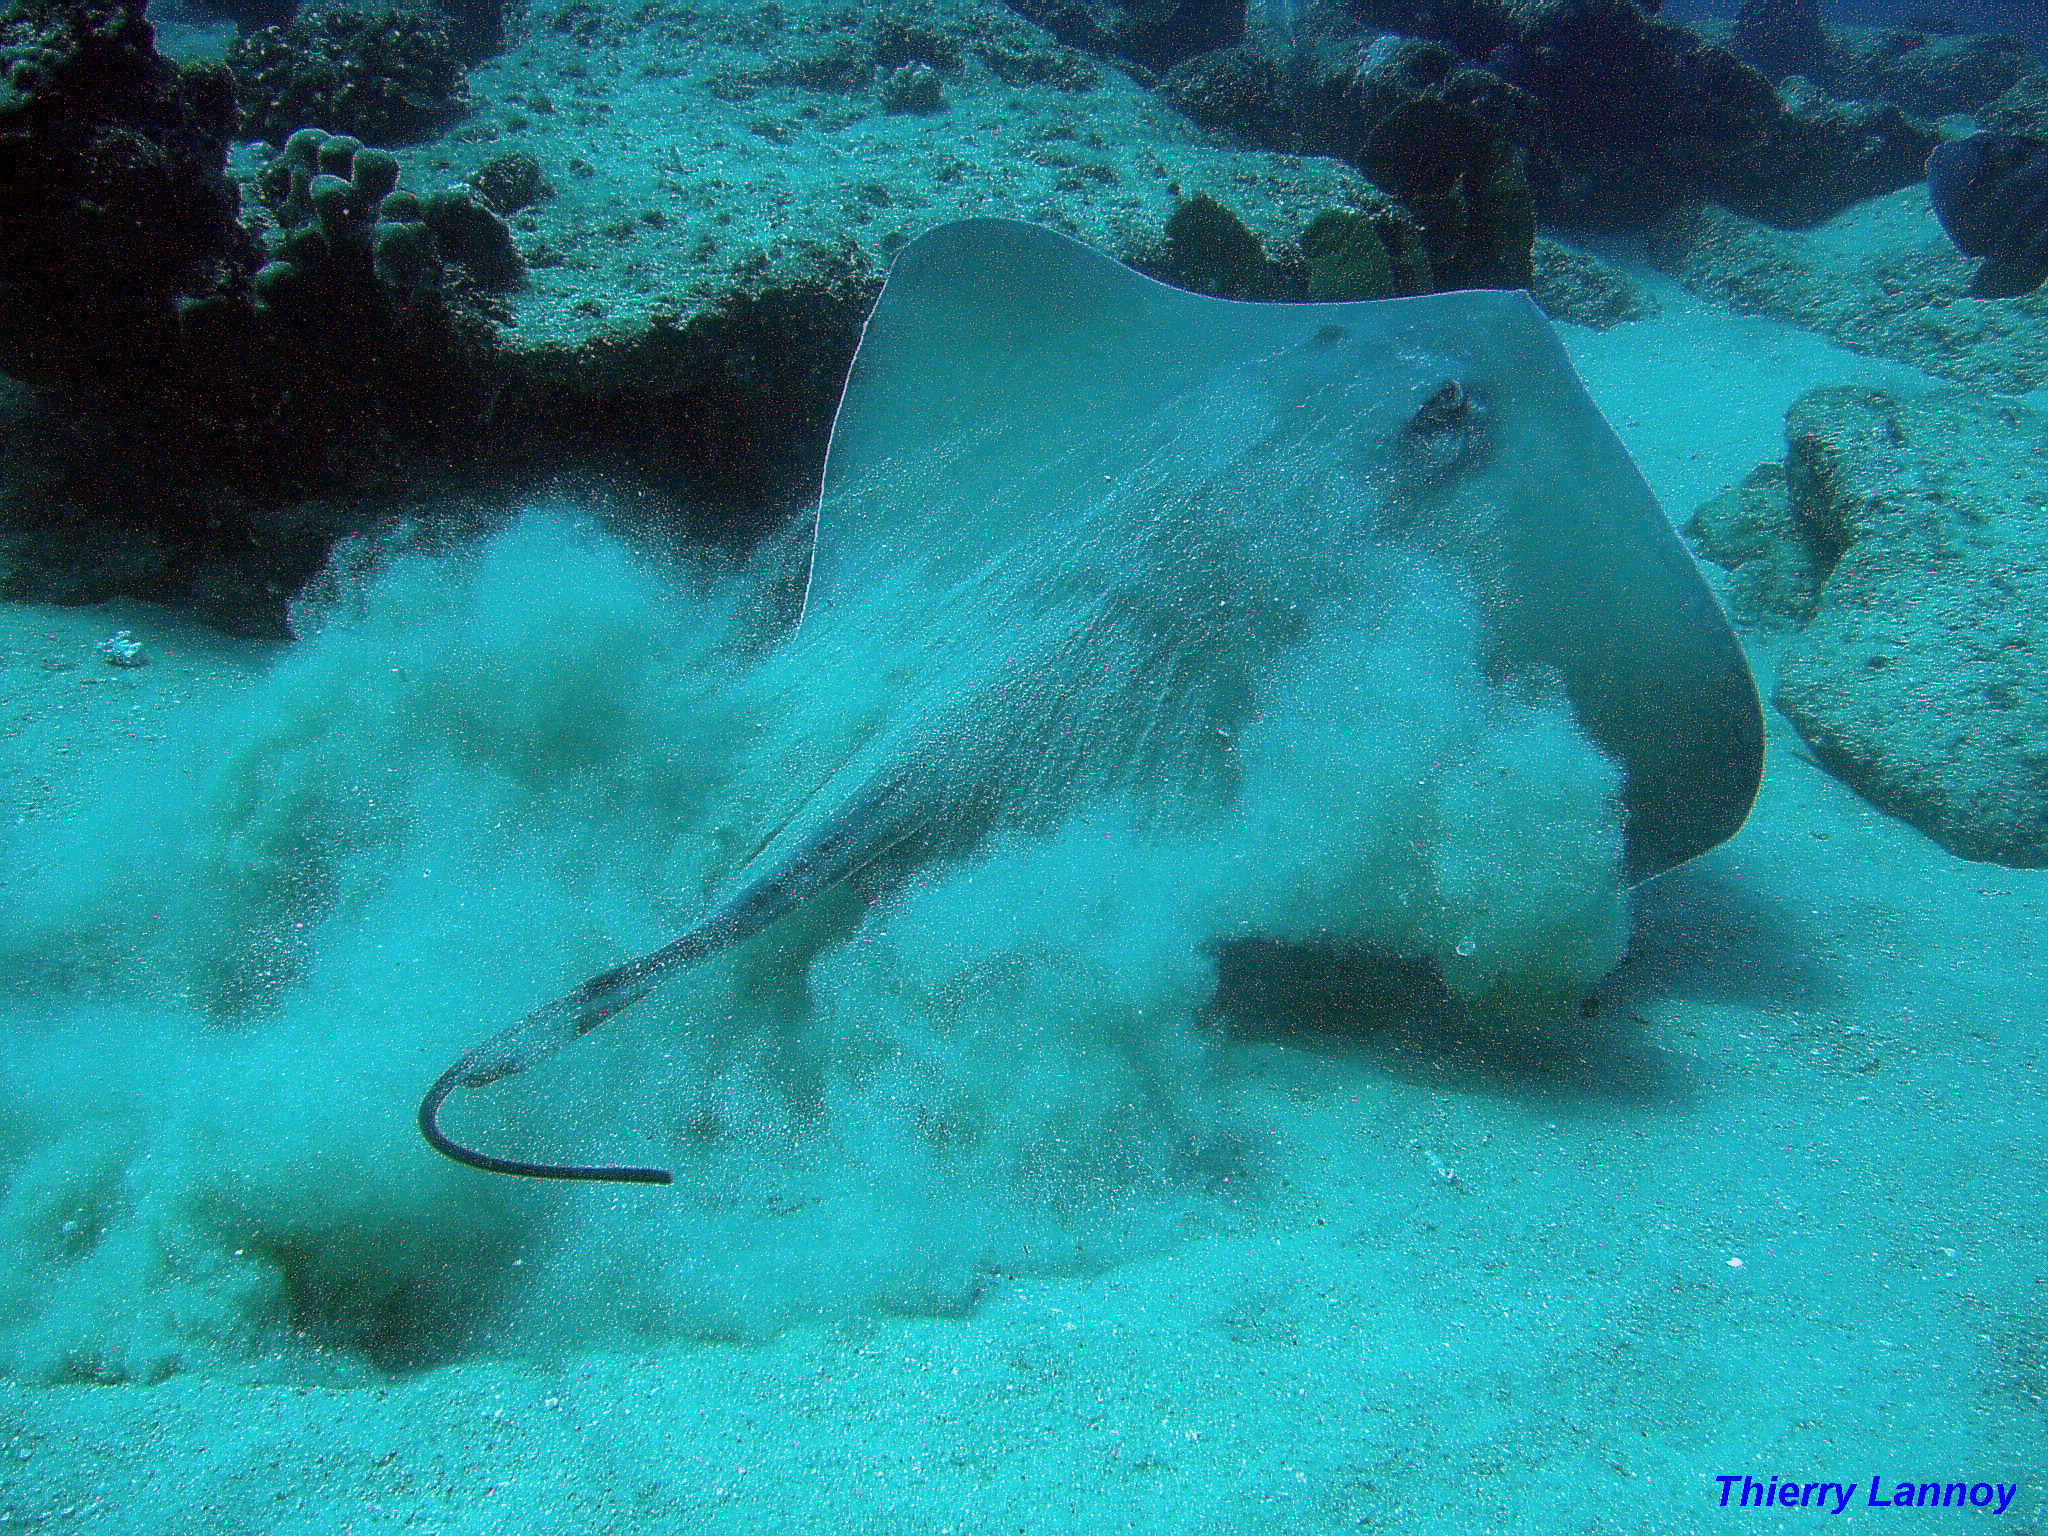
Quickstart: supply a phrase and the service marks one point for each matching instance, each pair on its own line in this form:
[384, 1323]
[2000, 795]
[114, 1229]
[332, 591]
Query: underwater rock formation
[52, 549]
[1373, 249]
[1464, 182]
[2021, 108]
[1822, 156]
[350, 238]
[1237, 90]
[1156, 34]
[1896, 289]
[1918, 677]
[1209, 250]
[1328, 97]
[214, 404]
[912, 87]
[465, 231]
[1782, 37]
[390, 79]
[510, 182]
[1583, 290]
[1932, 76]
[1647, 116]
[1621, 117]
[1750, 531]
[1346, 259]
[113, 203]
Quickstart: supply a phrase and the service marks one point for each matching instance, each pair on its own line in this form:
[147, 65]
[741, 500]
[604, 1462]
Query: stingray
[1106, 507]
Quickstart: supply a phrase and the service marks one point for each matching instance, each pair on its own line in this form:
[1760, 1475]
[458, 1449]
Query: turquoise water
[1312, 1265]
[1075, 1182]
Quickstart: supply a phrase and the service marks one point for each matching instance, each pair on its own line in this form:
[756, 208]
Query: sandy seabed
[1775, 1211]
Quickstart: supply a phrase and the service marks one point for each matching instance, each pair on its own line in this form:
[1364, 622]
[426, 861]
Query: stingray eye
[1447, 431]
[1443, 410]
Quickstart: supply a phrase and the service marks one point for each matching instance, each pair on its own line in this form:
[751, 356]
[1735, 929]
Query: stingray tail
[430, 1127]
[569, 1018]
[866, 827]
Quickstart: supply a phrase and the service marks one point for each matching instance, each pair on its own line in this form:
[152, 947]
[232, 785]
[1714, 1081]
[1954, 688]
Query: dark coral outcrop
[221, 396]
[1619, 117]
[1156, 34]
[1931, 76]
[1820, 155]
[1783, 37]
[114, 209]
[1464, 183]
[389, 79]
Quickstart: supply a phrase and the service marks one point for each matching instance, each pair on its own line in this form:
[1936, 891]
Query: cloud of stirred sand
[484, 774]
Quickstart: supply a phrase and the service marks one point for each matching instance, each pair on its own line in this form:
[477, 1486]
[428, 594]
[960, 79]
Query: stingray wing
[1007, 372]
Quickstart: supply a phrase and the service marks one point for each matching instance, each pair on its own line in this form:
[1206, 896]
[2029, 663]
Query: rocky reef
[231, 367]
[117, 207]
[389, 79]
[674, 305]
[641, 243]
[1619, 117]
[1882, 280]
[1783, 37]
[1904, 543]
